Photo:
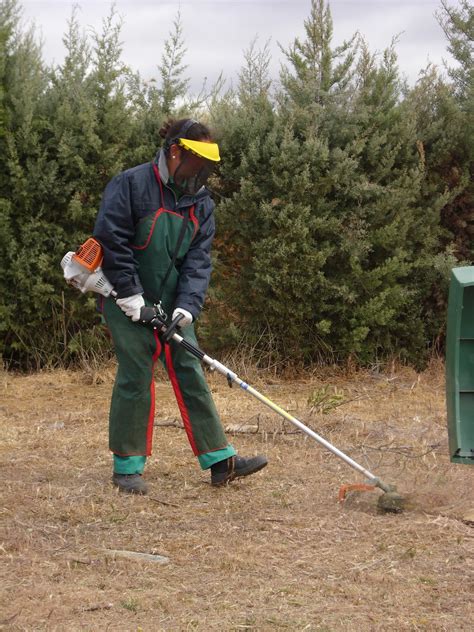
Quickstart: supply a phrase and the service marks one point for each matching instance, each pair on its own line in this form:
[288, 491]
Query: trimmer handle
[150, 318]
[170, 330]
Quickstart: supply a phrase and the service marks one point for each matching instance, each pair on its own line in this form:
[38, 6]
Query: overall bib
[138, 348]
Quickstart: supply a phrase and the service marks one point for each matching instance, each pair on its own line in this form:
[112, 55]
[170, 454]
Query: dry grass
[272, 552]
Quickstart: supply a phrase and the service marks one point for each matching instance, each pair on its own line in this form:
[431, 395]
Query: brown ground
[272, 552]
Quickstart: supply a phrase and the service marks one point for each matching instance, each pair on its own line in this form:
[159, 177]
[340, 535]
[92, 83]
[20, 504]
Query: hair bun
[165, 128]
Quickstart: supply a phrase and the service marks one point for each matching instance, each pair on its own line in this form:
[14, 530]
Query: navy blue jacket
[129, 197]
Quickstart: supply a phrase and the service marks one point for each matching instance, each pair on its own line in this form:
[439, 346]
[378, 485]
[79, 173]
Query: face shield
[198, 160]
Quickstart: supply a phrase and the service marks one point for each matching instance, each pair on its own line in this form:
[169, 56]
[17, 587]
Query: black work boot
[235, 466]
[131, 483]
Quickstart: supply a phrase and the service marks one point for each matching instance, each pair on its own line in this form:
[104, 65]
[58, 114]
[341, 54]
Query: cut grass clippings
[271, 552]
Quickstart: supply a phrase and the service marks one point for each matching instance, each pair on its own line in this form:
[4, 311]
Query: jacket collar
[160, 160]
[162, 166]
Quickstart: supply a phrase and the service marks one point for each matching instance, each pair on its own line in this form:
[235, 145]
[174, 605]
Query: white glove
[131, 306]
[187, 316]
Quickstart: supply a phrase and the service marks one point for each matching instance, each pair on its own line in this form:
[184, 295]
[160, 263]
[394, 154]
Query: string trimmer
[82, 270]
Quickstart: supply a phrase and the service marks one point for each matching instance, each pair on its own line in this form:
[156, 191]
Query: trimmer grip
[148, 316]
[170, 330]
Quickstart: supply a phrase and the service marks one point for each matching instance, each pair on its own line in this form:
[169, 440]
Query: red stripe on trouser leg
[179, 398]
[151, 415]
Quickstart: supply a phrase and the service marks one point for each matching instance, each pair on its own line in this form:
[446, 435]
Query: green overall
[138, 348]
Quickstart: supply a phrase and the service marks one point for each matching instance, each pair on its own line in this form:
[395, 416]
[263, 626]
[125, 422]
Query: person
[156, 226]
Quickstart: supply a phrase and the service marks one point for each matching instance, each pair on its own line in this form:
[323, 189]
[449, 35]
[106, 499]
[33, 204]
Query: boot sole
[128, 490]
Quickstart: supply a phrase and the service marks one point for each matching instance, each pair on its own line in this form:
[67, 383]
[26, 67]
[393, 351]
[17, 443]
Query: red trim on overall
[192, 217]
[179, 398]
[159, 212]
[145, 245]
[151, 414]
[226, 445]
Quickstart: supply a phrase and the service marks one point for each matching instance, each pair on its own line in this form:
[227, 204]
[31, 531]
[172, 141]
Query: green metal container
[460, 365]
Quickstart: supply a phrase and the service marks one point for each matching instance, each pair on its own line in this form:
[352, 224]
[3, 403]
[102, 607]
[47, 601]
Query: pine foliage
[344, 197]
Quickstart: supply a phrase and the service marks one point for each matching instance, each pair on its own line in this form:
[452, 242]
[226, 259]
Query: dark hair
[183, 128]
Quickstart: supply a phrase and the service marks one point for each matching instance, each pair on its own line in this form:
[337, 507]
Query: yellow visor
[209, 151]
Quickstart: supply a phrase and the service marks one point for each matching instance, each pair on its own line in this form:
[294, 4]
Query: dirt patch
[275, 551]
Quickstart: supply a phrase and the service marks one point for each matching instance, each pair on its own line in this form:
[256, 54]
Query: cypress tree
[174, 85]
[68, 128]
[8, 23]
[243, 120]
[458, 215]
[73, 141]
[343, 198]
[154, 101]
[331, 233]
[108, 86]
[26, 180]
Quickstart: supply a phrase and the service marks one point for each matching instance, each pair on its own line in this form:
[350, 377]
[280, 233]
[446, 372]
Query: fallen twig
[105, 606]
[135, 555]
[162, 502]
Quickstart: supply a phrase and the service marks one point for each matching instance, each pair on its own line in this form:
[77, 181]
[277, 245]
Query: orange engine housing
[89, 255]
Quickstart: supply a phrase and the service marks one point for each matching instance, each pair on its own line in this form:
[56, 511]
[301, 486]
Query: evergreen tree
[8, 23]
[173, 85]
[154, 102]
[9, 12]
[318, 76]
[243, 120]
[343, 198]
[458, 26]
[458, 215]
[108, 84]
[26, 180]
[74, 142]
[67, 132]
[441, 133]
[331, 234]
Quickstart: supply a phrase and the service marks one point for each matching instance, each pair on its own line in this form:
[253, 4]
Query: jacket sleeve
[115, 229]
[195, 271]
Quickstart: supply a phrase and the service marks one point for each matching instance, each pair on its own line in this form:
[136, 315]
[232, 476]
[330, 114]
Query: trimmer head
[390, 501]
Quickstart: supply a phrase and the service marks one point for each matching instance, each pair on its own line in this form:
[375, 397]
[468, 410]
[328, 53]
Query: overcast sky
[216, 33]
